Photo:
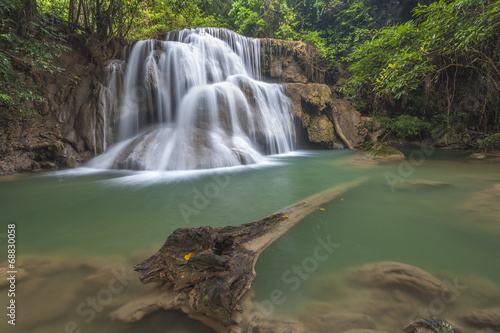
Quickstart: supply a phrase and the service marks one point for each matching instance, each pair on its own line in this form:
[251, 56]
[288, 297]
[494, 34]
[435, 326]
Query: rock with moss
[477, 156]
[320, 130]
[327, 121]
[375, 150]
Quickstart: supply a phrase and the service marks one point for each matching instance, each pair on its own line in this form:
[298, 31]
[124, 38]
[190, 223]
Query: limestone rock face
[329, 122]
[349, 120]
[287, 71]
[292, 61]
[311, 103]
[311, 98]
[62, 132]
[320, 130]
[326, 120]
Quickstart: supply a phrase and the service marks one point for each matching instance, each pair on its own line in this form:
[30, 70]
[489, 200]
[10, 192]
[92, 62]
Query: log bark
[207, 272]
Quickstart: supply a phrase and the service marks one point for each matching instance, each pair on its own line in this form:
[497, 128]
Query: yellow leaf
[189, 255]
[286, 216]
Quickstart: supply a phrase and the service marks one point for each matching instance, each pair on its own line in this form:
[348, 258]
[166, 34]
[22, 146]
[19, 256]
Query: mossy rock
[377, 150]
[320, 130]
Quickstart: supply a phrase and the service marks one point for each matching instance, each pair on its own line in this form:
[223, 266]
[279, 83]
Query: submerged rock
[421, 183]
[485, 318]
[341, 322]
[484, 209]
[398, 275]
[362, 330]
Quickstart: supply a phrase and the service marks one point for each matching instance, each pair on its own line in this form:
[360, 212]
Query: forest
[417, 66]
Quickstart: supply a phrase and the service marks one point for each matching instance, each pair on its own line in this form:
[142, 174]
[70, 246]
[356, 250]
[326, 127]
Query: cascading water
[109, 97]
[194, 102]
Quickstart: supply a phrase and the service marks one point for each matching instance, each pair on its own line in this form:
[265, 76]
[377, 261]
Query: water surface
[77, 229]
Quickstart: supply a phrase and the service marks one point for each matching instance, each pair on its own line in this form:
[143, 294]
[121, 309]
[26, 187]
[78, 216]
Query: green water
[116, 216]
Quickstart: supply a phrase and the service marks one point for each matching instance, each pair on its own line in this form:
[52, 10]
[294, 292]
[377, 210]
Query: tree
[430, 64]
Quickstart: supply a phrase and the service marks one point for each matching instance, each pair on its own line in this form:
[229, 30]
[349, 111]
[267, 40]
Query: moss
[321, 130]
[378, 150]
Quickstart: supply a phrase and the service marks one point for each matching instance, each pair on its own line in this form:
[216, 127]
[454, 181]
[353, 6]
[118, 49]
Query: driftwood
[206, 272]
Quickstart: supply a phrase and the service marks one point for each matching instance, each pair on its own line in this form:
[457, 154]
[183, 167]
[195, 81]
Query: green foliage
[336, 26]
[403, 126]
[490, 143]
[32, 52]
[258, 18]
[446, 42]
[14, 93]
[407, 127]
[246, 18]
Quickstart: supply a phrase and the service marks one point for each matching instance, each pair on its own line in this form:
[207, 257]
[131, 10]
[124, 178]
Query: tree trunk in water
[207, 272]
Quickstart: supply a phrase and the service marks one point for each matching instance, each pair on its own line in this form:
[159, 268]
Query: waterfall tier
[193, 102]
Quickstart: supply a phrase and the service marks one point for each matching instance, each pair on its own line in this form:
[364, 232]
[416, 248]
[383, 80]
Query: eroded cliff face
[61, 134]
[325, 119]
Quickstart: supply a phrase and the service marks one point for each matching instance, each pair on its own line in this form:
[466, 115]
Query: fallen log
[207, 272]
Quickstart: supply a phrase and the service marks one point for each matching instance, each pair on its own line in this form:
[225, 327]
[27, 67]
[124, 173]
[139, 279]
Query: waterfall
[193, 101]
[108, 106]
